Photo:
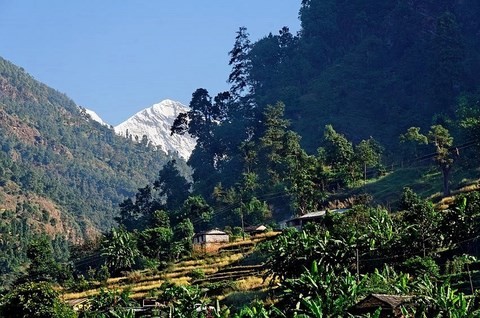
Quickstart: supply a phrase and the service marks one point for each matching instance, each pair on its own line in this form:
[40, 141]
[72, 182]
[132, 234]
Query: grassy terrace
[216, 267]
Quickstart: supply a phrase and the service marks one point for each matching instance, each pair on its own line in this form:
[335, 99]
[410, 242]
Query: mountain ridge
[154, 123]
[54, 149]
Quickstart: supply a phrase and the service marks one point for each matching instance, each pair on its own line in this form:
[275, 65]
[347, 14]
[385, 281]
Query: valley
[366, 122]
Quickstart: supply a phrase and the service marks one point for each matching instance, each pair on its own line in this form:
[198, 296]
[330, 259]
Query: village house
[390, 305]
[209, 241]
[255, 230]
[312, 217]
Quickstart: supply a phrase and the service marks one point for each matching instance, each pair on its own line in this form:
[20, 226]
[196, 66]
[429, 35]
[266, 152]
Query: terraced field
[221, 273]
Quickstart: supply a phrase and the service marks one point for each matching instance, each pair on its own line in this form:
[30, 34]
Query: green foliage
[182, 236]
[172, 187]
[368, 154]
[441, 300]
[293, 250]
[43, 266]
[421, 230]
[459, 264]
[103, 274]
[418, 266]
[34, 300]
[183, 299]
[331, 293]
[198, 210]
[256, 310]
[462, 221]
[120, 250]
[197, 274]
[239, 76]
[468, 114]
[444, 157]
[110, 303]
[156, 243]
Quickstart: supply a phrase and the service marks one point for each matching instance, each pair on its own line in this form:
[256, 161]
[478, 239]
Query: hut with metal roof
[390, 305]
[312, 217]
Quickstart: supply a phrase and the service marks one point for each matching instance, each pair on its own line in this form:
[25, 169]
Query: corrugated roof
[211, 232]
[391, 300]
[316, 214]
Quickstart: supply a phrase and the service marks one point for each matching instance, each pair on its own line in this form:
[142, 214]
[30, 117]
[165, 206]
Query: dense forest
[369, 97]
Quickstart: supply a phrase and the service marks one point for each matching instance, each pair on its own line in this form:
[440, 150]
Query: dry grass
[445, 202]
[140, 283]
[193, 262]
[87, 293]
[250, 283]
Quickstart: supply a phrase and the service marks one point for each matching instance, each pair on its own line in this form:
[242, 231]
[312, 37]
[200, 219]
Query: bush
[220, 288]
[103, 274]
[458, 264]
[134, 277]
[418, 266]
[197, 274]
[34, 300]
[78, 284]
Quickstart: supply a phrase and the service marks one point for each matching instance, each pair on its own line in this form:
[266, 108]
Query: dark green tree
[368, 153]
[43, 266]
[172, 187]
[198, 210]
[445, 154]
[182, 236]
[339, 155]
[422, 225]
[240, 63]
[137, 214]
[156, 243]
[273, 146]
[201, 122]
[305, 178]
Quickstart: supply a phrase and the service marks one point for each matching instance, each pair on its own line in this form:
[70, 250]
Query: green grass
[426, 181]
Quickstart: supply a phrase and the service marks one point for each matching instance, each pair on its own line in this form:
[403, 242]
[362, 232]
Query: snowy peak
[155, 122]
[94, 116]
[91, 115]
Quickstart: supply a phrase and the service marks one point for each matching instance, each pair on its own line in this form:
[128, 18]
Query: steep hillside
[53, 150]
[370, 68]
[154, 123]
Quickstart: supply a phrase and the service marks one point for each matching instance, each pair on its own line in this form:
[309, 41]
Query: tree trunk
[446, 176]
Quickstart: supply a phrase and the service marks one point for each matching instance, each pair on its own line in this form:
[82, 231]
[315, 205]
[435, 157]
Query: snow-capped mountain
[155, 123]
[94, 116]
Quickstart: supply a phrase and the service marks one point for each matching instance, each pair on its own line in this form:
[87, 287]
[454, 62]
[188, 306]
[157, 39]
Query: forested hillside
[364, 88]
[60, 172]
[370, 67]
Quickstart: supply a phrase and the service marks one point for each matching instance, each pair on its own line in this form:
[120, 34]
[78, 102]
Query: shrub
[103, 274]
[134, 277]
[34, 300]
[197, 274]
[421, 265]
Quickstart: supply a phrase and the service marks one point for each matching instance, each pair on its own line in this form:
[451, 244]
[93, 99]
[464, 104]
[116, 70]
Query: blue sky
[117, 57]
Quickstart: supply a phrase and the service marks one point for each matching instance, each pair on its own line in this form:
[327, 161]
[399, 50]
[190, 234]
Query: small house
[312, 217]
[210, 241]
[390, 305]
[255, 230]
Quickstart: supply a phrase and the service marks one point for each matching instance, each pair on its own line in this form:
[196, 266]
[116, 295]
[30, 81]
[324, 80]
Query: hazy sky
[117, 57]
